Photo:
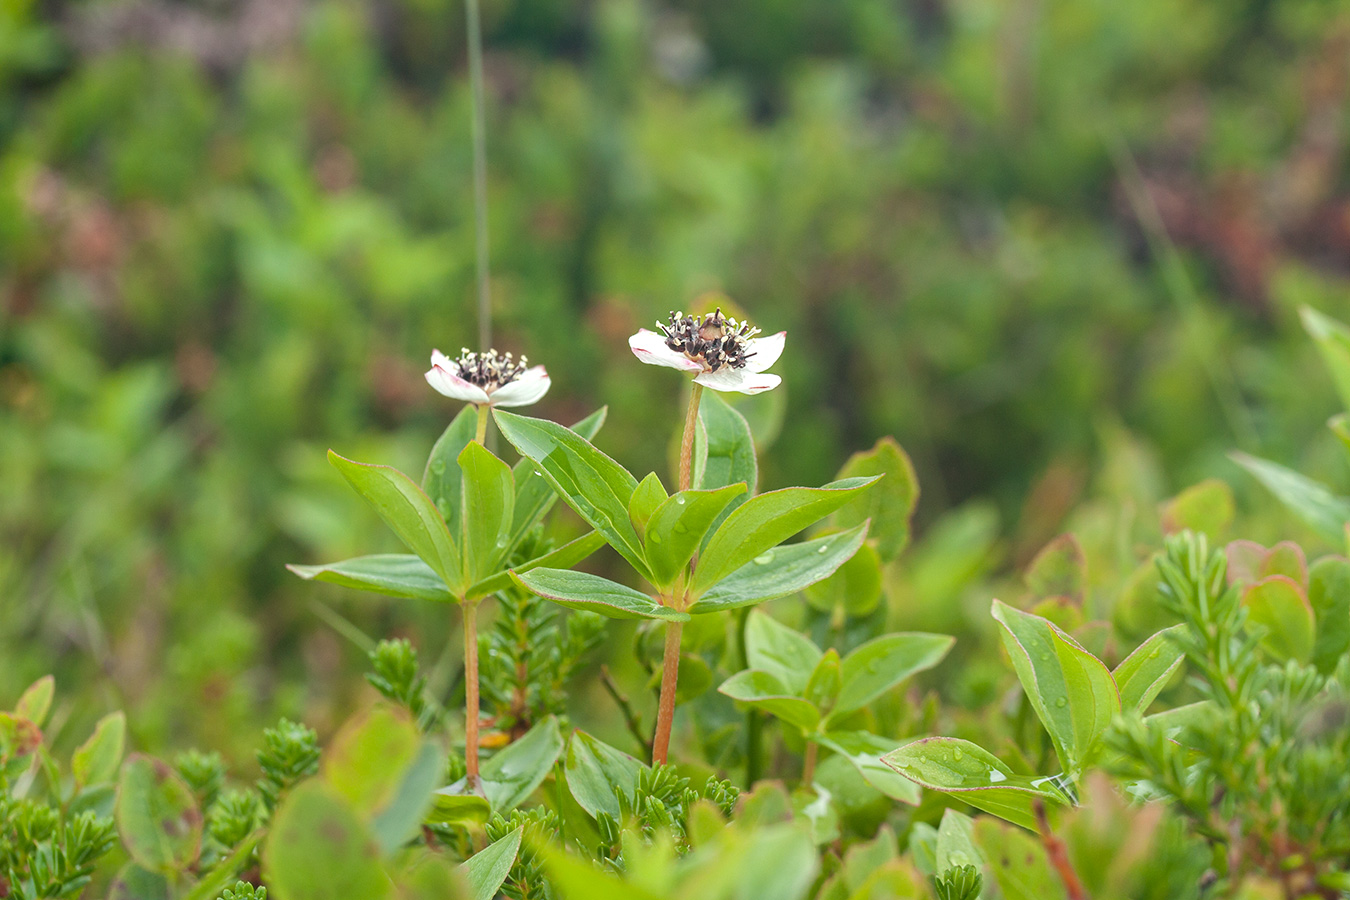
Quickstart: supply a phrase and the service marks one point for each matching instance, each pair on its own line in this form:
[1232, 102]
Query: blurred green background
[1055, 247]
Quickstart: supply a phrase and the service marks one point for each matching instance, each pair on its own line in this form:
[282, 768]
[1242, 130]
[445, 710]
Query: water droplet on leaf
[764, 558]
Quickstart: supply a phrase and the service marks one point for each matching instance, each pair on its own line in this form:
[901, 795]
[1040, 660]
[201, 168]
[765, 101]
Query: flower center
[713, 340]
[490, 369]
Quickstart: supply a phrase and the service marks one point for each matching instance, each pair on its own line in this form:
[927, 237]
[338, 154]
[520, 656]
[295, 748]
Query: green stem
[687, 443]
[483, 410]
[480, 196]
[471, 692]
[754, 724]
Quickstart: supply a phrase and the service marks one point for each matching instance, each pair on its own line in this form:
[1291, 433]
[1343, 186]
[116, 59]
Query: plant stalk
[480, 195]
[665, 712]
[483, 410]
[471, 693]
[809, 767]
[670, 659]
[687, 443]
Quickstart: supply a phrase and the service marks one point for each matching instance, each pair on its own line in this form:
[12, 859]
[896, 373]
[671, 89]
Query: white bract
[490, 378]
[724, 352]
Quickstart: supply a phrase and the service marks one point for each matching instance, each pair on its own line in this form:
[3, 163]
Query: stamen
[713, 340]
[489, 369]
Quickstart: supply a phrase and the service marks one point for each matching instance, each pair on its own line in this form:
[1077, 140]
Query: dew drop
[957, 754]
[539, 473]
[679, 500]
[1045, 656]
[995, 776]
[764, 558]
[1062, 702]
[653, 538]
[1155, 653]
[680, 528]
[822, 549]
[438, 467]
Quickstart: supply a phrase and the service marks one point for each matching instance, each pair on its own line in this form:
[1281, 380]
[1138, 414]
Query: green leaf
[598, 775]
[882, 663]
[676, 529]
[864, 751]
[580, 590]
[382, 768]
[1305, 498]
[855, 589]
[487, 496]
[823, 686]
[96, 760]
[36, 701]
[464, 809]
[409, 512]
[975, 776]
[441, 478]
[580, 879]
[534, 495]
[649, 495]
[1278, 605]
[1071, 690]
[782, 571]
[1333, 340]
[157, 816]
[766, 692]
[1329, 595]
[487, 869]
[1145, 672]
[1018, 861]
[771, 646]
[956, 843]
[136, 883]
[724, 452]
[512, 774]
[318, 849]
[569, 554]
[764, 522]
[590, 482]
[890, 504]
[399, 575]
[1058, 570]
[1207, 507]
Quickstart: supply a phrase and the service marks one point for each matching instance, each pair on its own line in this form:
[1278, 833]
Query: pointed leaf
[1333, 340]
[569, 554]
[392, 574]
[590, 482]
[487, 496]
[1058, 570]
[764, 522]
[956, 843]
[882, 663]
[96, 760]
[889, 504]
[724, 452]
[35, 702]
[581, 590]
[487, 869]
[441, 478]
[782, 571]
[677, 527]
[864, 751]
[975, 776]
[1207, 507]
[598, 775]
[514, 772]
[1305, 498]
[763, 691]
[409, 513]
[534, 495]
[772, 647]
[1145, 672]
[854, 590]
[1071, 690]
[649, 495]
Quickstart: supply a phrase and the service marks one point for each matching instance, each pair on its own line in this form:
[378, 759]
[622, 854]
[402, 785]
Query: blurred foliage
[1057, 249]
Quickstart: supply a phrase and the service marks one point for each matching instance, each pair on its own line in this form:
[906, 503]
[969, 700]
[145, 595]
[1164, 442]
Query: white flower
[487, 378]
[725, 352]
